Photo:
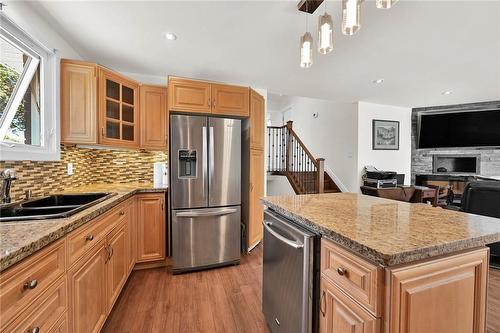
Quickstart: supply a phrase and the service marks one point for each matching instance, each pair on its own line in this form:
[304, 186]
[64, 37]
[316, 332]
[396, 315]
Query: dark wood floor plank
[221, 300]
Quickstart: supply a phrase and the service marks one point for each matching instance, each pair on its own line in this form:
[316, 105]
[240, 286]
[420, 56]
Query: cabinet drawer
[360, 279]
[84, 238]
[26, 281]
[339, 313]
[61, 326]
[44, 312]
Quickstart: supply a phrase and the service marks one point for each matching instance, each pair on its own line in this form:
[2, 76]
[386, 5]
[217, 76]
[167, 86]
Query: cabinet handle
[213, 103]
[35, 329]
[89, 238]
[208, 103]
[102, 131]
[107, 247]
[161, 204]
[323, 301]
[30, 284]
[122, 212]
[341, 271]
[112, 251]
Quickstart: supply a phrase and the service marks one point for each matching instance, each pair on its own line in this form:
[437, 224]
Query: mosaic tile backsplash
[89, 166]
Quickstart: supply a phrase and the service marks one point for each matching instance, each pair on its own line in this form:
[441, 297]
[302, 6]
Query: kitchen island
[390, 266]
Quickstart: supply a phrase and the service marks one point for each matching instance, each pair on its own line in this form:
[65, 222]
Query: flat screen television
[459, 129]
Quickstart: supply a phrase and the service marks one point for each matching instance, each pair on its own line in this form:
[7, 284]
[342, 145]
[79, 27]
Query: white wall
[390, 160]
[31, 22]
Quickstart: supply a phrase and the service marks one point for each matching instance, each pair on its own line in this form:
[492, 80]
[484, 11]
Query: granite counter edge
[10, 259]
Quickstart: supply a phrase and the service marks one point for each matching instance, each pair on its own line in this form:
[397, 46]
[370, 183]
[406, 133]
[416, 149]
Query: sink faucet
[7, 176]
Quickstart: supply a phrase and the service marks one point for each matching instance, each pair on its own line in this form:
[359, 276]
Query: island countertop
[19, 239]
[387, 232]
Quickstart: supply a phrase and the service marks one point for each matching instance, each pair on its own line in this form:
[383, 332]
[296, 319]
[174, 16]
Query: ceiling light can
[170, 36]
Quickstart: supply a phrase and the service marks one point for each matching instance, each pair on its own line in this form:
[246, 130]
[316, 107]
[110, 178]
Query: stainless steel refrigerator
[205, 187]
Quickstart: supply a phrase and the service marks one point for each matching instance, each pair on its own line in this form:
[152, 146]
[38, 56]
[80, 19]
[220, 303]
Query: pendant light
[325, 33]
[385, 4]
[351, 10]
[306, 50]
[306, 47]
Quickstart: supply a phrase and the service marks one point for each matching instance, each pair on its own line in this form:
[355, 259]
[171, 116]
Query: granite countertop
[19, 239]
[385, 231]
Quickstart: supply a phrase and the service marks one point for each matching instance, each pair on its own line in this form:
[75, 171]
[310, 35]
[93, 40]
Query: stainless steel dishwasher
[290, 276]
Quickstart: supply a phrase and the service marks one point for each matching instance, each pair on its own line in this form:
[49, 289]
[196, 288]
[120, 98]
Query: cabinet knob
[35, 329]
[89, 237]
[122, 212]
[341, 271]
[30, 284]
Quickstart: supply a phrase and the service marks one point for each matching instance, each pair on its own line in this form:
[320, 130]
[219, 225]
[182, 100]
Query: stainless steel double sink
[50, 207]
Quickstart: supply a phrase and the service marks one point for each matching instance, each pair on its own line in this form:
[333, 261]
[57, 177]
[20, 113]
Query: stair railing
[289, 156]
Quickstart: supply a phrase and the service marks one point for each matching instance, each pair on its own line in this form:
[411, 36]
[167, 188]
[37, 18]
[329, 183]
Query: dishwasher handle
[295, 245]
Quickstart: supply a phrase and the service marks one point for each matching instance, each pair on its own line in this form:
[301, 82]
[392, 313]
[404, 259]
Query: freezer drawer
[288, 276]
[205, 237]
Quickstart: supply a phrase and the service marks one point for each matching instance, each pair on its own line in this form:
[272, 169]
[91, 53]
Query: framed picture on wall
[385, 135]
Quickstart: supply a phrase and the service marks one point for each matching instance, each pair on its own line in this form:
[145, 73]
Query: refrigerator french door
[205, 160]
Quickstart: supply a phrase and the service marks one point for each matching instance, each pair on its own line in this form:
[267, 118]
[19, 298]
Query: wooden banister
[289, 156]
[321, 175]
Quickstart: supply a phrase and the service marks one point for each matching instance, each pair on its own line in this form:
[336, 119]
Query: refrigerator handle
[204, 155]
[211, 153]
[210, 213]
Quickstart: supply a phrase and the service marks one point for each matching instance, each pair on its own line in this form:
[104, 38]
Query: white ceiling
[420, 48]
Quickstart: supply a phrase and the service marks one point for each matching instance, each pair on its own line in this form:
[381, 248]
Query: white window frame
[49, 149]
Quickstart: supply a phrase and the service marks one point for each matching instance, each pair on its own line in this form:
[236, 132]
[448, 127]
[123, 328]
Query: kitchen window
[28, 114]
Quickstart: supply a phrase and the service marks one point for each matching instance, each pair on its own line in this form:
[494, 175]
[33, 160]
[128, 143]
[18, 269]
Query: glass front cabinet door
[119, 105]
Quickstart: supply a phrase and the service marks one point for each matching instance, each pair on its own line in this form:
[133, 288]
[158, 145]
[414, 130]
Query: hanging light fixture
[385, 4]
[306, 47]
[306, 50]
[351, 10]
[325, 33]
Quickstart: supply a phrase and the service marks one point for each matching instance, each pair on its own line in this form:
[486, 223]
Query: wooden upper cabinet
[189, 96]
[118, 110]
[257, 120]
[230, 100]
[446, 295]
[78, 102]
[255, 207]
[154, 117]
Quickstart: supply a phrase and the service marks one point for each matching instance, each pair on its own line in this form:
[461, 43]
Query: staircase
[288, 156]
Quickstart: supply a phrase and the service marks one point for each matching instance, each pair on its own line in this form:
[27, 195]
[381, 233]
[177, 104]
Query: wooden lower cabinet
[446, 295]
[256, 209]
[442, 295]
[88, 297]
[151, 217]
[117, 265]
[340, 314]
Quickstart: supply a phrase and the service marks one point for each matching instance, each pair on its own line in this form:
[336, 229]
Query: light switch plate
[70, 169]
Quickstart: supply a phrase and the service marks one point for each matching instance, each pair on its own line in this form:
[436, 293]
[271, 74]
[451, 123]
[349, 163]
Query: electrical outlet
[70, 169]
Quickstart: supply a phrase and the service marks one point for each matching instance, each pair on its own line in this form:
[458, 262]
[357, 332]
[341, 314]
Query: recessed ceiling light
[170, 36]
[447, 92]
[378, 81]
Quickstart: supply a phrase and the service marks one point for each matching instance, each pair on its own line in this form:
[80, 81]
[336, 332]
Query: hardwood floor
[493, 322]
[219, 300]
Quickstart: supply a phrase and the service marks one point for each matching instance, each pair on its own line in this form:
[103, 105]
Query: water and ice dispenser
[187, 163]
